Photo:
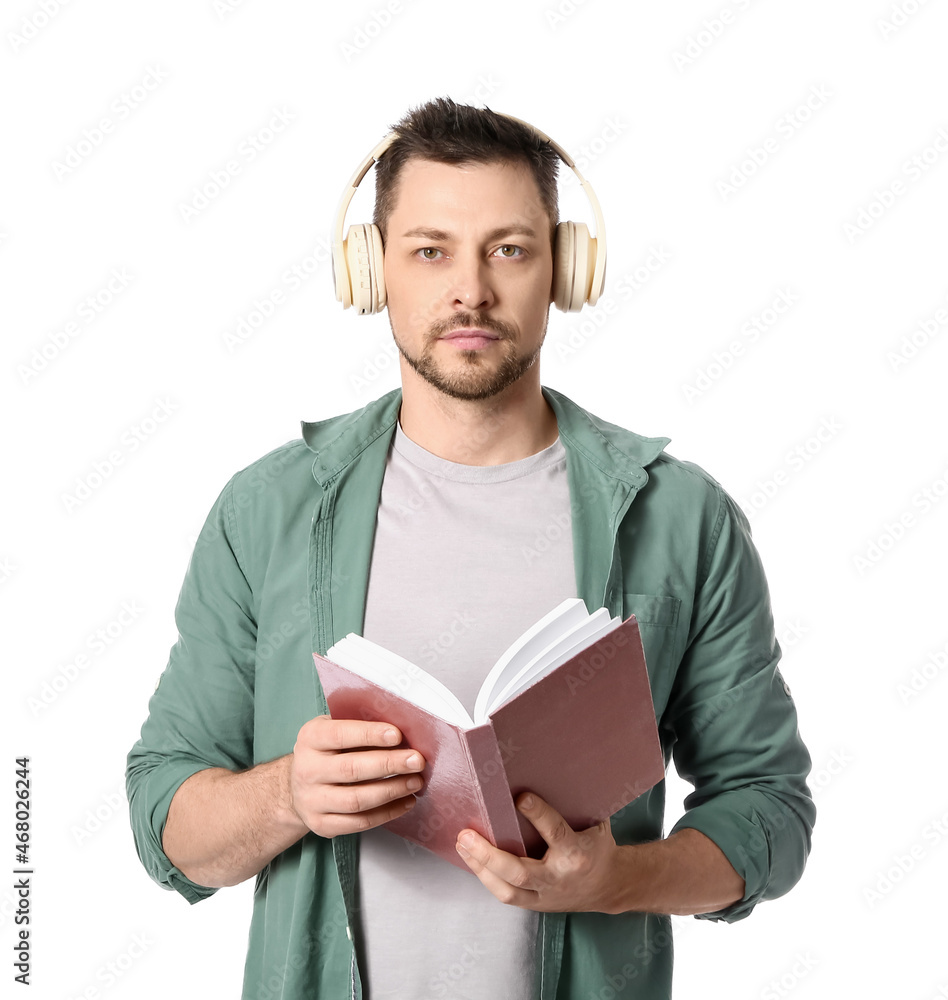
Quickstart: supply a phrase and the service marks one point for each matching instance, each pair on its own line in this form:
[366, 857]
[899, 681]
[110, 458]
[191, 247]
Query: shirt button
[786, 687]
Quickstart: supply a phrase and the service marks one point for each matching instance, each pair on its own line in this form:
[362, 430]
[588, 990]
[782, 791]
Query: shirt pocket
[657, 616]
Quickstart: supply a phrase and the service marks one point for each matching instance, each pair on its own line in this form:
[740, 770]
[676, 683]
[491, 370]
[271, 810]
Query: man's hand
[340, 783]
[577, 873]
[582, 870]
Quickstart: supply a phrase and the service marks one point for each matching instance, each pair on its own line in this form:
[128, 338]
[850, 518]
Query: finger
[506, 876]
[376, 775]
[551, 826]
[332, 824]
[365, 765]
[323, 752]
[366, 797]
[326, 733]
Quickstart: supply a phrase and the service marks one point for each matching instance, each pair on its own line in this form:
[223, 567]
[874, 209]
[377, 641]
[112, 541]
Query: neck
[507, 427]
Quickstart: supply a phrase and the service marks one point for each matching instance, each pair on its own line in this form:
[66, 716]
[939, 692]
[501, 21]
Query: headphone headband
[579, 258]
[353, 184]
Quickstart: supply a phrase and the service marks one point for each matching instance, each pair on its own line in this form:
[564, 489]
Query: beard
[472, 376]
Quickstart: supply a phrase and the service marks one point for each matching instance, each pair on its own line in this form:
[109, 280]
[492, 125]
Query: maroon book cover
[584, 738]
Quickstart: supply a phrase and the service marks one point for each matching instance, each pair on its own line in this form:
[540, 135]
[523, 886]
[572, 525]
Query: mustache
[470, 320]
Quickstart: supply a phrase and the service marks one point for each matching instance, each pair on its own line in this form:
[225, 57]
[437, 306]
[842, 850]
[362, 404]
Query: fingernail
[527, 802]
[466, 840]
[390, 736]
[414, 783]
[414, 760]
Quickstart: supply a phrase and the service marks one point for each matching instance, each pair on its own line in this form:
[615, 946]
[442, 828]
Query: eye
[428, 253]
[509, 251]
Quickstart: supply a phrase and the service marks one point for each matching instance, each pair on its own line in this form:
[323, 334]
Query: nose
[470, 287]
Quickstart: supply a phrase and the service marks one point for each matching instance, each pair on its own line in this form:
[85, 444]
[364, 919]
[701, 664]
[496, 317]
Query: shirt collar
[623, 453]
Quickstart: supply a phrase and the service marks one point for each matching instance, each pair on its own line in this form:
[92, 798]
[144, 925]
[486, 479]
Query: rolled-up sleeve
[201, 714]
[734, 723]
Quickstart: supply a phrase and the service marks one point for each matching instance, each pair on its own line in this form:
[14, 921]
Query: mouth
[470, 338]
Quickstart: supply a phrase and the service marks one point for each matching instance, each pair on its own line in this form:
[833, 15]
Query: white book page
[564, 617]
[398, 675]
[555, 655]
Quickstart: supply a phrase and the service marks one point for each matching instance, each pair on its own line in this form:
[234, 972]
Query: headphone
[579, 260]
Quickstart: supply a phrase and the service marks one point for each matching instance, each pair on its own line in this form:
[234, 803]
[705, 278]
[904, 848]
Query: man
[417, 517]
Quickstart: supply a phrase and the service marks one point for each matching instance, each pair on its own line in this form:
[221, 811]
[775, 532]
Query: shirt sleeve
[201, 714]
[735, 724]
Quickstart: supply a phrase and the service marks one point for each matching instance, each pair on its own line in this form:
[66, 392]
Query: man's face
[468, 274]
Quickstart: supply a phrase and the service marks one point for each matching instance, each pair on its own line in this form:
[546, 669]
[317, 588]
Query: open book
[565, 712]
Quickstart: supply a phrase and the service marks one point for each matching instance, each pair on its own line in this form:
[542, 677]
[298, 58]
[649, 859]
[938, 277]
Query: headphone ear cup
[340, 275]
[573, 265]
[363, 258]
[562, 265]
[593, 285]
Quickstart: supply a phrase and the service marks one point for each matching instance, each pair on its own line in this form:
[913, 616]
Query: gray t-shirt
[465, 559]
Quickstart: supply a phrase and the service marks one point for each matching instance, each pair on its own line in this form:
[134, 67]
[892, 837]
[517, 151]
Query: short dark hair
[447, 132]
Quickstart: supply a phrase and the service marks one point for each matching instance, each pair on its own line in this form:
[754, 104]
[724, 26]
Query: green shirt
[280, 569]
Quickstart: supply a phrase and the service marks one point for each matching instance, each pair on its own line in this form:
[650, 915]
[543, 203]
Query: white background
[825, 433]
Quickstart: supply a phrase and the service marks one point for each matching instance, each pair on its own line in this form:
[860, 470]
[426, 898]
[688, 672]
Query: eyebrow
[443, 236]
